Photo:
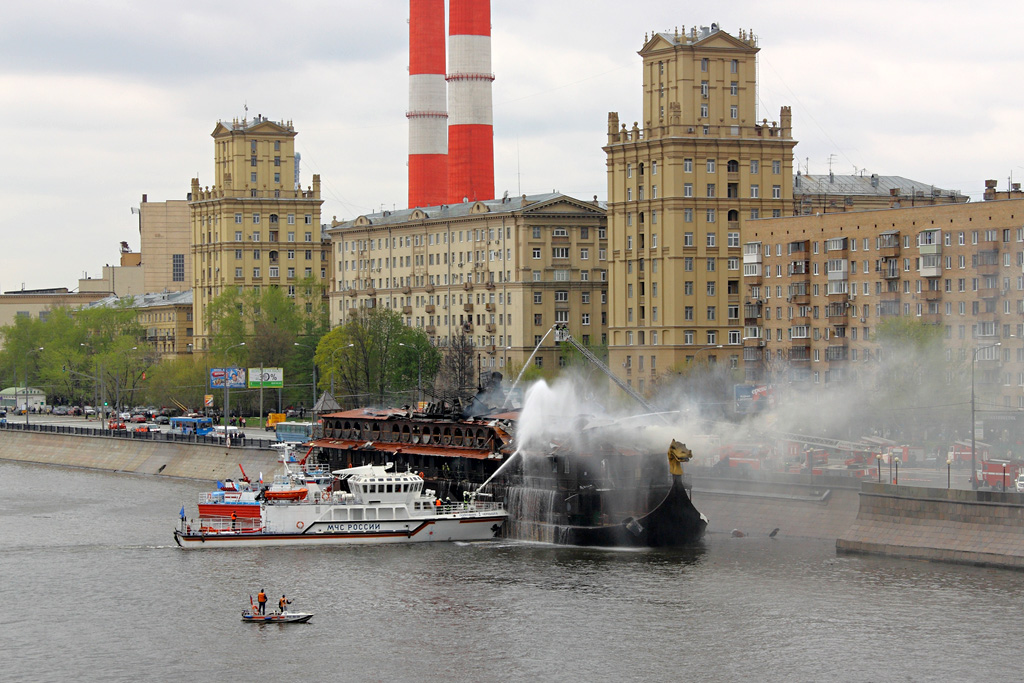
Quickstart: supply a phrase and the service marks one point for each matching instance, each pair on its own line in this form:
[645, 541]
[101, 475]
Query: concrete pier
[138, 456]
[946, 525]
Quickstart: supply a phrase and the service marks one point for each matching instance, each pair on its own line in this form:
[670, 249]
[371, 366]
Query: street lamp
[706, 348]
[336, 349]
[227, 395]
[312, 407]
[419, 373]
[949, 465]
[26, 384]
[897, 459]
[878, 466]
[974, 466]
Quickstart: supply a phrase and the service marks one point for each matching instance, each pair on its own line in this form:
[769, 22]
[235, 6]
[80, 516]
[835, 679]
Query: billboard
[232, 378]
[751, 398]
[268, 378]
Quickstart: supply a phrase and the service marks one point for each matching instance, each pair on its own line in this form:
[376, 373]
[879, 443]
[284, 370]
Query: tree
[369, 364]
[457, 380]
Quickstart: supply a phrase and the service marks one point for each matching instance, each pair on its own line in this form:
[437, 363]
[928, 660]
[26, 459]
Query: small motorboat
[253, 616]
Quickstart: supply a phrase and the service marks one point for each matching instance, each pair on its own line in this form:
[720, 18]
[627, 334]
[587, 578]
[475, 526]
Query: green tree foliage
[368, 362]
[910, 387]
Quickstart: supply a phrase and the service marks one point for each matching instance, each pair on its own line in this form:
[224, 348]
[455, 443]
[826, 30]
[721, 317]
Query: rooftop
[866, 185]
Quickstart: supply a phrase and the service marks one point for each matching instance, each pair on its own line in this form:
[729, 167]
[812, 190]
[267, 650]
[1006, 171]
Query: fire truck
[1000, 474]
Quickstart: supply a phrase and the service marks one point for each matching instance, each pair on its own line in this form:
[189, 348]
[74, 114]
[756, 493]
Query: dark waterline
[97, 591]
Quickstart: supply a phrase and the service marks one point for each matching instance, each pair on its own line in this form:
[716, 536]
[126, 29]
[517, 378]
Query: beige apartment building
[165, 233]
[502, 271]
[680, 190]
[816, 288]
[166, 318]
[255, 227]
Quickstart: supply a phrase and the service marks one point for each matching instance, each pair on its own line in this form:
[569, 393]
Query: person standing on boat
[262, 600]
[282, 603]
[234, 521]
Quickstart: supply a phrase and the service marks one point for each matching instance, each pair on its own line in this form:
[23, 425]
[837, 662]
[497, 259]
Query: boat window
[389, 489]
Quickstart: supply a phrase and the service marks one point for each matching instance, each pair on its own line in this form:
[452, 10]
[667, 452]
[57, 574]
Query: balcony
[468, 308]
[490, 308]
[468, 285]
[931, 318]
[407, 290]
[430, 329]
[890, 270]
[751, 311]
[798, 353]
[752, 354]
[988, 292]
[429, 308]
[490, 327]
[836, 353]
[407, 310]
[353, 311]
[429, 287]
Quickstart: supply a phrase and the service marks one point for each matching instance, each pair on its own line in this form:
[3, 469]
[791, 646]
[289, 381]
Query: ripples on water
[96, 591]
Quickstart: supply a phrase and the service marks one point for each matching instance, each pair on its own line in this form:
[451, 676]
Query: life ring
[299, 525]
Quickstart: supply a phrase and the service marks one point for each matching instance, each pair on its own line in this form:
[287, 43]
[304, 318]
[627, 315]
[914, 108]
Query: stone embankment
[945, 525]
[138, 456]
[798, 505]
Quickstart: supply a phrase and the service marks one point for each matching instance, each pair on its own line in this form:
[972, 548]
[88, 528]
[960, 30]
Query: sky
[104, 101]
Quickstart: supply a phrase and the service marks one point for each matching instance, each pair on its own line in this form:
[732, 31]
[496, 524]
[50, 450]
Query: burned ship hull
[673, 523]
[600, 495]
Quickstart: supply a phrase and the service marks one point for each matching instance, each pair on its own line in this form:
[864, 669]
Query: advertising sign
[232, 378]
[268, 378]
[752, 398]
[208, 400]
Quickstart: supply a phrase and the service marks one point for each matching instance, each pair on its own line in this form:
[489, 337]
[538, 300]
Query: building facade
[502, 272]
[255, 227]
[165, 233]
[817, 287]
[680, 190]
[166, 318]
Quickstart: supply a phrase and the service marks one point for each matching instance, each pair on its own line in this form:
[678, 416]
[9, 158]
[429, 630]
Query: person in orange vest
[262, 600]
[282, 603]
[234, 521]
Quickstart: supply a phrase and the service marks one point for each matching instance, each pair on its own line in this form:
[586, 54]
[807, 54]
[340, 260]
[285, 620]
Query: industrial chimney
[428, 134]
[470, 121]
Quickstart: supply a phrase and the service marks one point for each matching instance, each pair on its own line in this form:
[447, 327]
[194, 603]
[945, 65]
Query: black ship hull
[675, 522]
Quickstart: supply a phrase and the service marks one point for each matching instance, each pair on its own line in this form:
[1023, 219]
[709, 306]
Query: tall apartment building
[165, 233]
[502, 271]
[255, 227]
[817, 287]
[679, 192]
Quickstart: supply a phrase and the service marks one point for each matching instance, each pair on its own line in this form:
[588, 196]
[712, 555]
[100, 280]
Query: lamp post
[878, 466]
[102, 400]
[974, 465]
[897, 459]
[36, 350]
[312, 407]
[336, 349]
[227, 396]
[419, 373]
[949, 465]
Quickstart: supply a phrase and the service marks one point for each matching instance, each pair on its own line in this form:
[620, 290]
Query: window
[255, 218]
[585, 319]
[711, 165]
[536, 252]
[734, 88]
[560, 252]
[776, 191]
[538, 319]
[687, 165]
[704, 111]
[309, 237]
[255, 272]
[584, 253]
[291, 272]
[711, 189]
[755, 191]
[273, 271]
[687, 239]
[688, 313]
[733, 239]
[562, 296]
[776, 167]
[687, 189]
[238, 272]
[177, 267]
[734, 112]
[238, 253]
[704, 65]
[734, 66]
[309, 219]
[710, 216]
[710, 239]
[688, 263]
[256, 236]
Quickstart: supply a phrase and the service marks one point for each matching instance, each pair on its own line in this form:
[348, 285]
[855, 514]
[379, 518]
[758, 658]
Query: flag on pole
[182, 513]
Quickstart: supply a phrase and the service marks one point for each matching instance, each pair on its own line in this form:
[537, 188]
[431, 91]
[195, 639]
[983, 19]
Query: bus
[191, 425]
[299, 432]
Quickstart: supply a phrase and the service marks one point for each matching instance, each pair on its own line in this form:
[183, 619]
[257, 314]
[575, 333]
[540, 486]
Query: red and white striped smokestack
[428, 117]
[470, 122]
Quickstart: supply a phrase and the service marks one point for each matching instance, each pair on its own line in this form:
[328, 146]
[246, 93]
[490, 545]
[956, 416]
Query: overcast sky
[103, 101]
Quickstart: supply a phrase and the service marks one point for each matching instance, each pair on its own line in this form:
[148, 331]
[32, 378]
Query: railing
[136, 436]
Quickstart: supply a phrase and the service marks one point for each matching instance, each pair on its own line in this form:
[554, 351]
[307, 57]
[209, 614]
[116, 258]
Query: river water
[96, 590]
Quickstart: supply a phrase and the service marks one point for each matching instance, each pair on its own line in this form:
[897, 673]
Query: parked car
[138, 417]
[89, 410]
[115, 424]
[60, 410]
[162, 420]
[1020, 482]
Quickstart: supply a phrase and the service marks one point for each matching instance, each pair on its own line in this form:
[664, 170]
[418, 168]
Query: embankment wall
[946, 525]
[141, 456]
[798, 505]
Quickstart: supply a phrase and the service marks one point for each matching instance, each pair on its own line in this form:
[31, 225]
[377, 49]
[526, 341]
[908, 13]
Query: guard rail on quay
[134, 435]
